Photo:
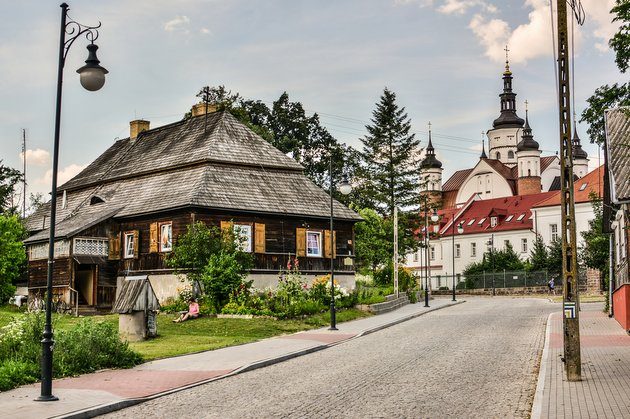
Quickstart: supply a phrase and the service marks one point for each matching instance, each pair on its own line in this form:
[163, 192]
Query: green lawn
[205, 333]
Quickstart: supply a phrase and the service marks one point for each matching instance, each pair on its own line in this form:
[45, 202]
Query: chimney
[136, 127]
[200, 109]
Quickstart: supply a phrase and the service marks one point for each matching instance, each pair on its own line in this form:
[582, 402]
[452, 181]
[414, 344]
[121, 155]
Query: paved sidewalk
[105, 391]
[604, 391]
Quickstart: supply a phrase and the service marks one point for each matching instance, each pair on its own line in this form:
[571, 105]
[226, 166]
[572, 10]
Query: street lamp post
[345, 188]
[92, 78]
[491, 243]
[460, 230]
[427, 258]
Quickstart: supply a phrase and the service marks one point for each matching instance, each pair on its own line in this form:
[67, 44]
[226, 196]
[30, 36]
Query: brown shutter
[153, 238]
[226, 225]
[114, 247]
[326, 244]
[300, 242]
[259, 237]
[136, 243]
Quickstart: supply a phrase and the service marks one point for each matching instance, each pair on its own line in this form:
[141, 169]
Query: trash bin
[137, 307]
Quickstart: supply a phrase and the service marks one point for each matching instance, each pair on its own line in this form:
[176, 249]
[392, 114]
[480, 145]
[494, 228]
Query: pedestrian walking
[552, 286]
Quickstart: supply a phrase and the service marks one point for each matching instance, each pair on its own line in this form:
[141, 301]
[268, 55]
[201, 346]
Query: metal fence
[496, 279]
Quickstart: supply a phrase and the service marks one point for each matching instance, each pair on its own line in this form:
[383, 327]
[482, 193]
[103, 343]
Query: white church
[509, 196]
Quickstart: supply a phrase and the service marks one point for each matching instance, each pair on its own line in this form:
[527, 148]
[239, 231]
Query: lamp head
[435, 216]
[460, 228]
[92, 75]
[344, 186]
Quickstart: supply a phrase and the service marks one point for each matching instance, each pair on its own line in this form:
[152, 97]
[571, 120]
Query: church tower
[528, 159]
[502, 138]
[580, 157]
[431, 174]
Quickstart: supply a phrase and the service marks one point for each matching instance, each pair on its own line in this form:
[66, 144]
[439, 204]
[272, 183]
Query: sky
[442, 58]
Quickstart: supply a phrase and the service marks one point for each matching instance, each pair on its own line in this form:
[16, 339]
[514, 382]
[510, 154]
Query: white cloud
[205, 31]
[462, 6]
[534, 38]
[37, 157]
[178, 23]
[63, 175]
[600, 17]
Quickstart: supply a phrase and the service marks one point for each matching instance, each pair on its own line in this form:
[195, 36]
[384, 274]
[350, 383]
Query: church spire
[508, 117]
[430, 161]
[578, 151]
[483, 146]
[527, 139]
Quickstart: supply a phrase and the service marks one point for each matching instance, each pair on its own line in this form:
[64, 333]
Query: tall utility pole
[24, 173]
[571, 321]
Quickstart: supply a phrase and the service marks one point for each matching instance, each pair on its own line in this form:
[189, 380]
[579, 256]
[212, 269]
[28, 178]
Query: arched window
[498, 156]
[510, 154]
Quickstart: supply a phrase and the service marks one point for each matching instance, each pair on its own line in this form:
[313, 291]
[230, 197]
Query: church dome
[527, 142]
[578, 151]
[430, 161]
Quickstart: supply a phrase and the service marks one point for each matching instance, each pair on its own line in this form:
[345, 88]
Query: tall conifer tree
[389, 173]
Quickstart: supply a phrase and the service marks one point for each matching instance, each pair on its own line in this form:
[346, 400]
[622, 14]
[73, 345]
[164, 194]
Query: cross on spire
[526, 103]
[507, 58]
[429, 124]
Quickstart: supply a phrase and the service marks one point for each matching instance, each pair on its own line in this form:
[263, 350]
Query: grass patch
[205, 333]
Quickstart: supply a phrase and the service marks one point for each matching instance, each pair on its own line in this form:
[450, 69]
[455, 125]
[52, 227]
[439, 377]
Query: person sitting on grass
[192, 313]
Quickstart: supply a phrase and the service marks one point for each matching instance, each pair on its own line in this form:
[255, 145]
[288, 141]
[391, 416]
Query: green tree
[371, 244]
[497, 260]
[389, 173]
[9, 178]
[12, 254]
[554, 263]
[539, 256]
[193, 250]
[221, 276]
[595, 253]
[610, 96]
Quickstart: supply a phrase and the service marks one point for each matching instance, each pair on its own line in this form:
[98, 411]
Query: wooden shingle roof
[618, 144]
[177, 166]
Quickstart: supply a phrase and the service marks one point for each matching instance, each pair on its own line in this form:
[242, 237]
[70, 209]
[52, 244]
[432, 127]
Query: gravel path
[477, 359]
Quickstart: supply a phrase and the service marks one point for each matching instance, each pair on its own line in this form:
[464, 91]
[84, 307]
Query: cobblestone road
[477, 359]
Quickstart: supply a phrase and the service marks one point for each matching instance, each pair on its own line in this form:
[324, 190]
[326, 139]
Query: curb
[542, 374]
[94, 411]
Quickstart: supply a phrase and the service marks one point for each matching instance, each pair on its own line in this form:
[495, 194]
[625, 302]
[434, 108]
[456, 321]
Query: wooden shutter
[153, 238]
[326, 244]
[114, 247]
[226, 225]
[259, 238]
[136, 243]
[300, 242]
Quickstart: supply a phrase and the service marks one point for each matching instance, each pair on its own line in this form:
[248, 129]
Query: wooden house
[121, 215]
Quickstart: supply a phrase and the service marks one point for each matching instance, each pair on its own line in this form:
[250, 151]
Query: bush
[385, 277]
[16, 373]
[221, 277]
[87, 347]
[91, 346]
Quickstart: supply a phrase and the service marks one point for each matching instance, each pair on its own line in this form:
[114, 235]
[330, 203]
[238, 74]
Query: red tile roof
[594, 182]
[455, 181]
[545, 162]
[503, 208]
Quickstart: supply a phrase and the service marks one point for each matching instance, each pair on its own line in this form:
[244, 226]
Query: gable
[490, 178]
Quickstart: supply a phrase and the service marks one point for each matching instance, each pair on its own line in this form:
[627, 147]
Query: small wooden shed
[137, 305]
